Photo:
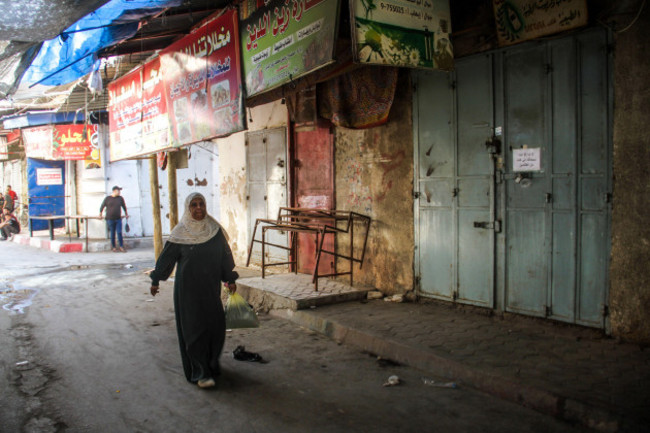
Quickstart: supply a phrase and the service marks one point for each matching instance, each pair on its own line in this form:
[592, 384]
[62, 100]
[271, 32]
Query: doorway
[266, 165]
[313, 168]
[46, 188]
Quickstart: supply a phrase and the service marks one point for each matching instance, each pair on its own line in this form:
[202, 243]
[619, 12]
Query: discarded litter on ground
[240, 354]
[392, 381]
[431, 382]
[394, 298]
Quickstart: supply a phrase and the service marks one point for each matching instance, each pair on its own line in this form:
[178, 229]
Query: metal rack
[320, 222]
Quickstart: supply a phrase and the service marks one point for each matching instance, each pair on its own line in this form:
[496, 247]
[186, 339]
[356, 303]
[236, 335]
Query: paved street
[85, 348]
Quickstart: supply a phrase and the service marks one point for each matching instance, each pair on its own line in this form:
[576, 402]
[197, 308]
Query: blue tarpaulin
[73, 53]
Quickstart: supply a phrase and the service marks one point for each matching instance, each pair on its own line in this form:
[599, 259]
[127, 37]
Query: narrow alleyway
[86, 349]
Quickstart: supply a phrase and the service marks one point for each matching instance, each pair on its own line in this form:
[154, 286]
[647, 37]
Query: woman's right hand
[154, 290]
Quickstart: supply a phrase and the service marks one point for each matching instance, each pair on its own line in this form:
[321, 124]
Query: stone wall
[374, 177]
[630, 265]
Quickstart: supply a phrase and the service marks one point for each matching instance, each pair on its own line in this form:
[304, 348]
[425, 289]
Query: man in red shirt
[12, 193]
[10, 199]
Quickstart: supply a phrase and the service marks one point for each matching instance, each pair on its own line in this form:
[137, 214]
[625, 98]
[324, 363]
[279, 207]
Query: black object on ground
[240, 354]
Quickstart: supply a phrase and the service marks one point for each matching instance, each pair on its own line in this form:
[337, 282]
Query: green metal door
[455, 185]
[513, 180]
[526, 200]
[556, 102]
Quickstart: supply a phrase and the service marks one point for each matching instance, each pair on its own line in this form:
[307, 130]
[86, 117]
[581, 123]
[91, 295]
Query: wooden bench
[319, 222]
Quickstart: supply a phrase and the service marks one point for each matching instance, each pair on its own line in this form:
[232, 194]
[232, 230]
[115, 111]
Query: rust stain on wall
[393, 162]
[199, 182]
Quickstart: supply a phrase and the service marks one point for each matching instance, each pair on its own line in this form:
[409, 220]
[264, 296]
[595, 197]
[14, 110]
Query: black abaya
[200, 319]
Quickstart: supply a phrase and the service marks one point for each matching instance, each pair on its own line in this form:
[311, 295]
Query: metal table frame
[52, 218]
[320, 222]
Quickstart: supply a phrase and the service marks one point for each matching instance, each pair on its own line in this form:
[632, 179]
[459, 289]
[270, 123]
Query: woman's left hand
[232, 287]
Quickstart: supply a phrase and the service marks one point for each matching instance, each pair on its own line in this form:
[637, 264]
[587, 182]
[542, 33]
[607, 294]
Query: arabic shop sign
[202, 79]
[407, 33]
[10, 146]
[287, 39]
[521, 20]
[77, 143]
[38, 142]
[63, 142]
[138, 121]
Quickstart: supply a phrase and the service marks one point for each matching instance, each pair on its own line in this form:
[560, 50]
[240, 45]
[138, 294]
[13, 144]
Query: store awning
[73, 53]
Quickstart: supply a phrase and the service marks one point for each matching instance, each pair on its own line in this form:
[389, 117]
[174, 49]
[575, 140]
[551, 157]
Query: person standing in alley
[114, 204]
[9, 200]
[198, 247]
[13, 194]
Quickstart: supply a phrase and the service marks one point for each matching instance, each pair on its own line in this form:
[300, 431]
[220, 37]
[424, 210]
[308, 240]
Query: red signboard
[202, 78]
[63, 142]
[74, 142]
[138, 113]
[125, 114]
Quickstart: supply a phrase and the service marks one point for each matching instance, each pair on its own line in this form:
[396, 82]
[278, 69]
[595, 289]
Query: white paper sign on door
[49, 176]
[527, 159]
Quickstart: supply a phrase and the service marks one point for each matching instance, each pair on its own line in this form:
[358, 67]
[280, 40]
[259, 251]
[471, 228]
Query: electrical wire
[638, 14]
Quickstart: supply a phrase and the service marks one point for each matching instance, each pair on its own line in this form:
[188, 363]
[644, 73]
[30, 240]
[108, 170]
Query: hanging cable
[638, 14]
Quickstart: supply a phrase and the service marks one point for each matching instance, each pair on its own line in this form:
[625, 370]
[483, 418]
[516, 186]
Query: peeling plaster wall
[232, 175]
[630, 266]
[199, 176]
[374, 177]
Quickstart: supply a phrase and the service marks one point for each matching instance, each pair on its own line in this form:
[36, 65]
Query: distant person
[198, 247]
[12, 193]
[9, 199]
[14, 198]
[114, 204]
[9, 225]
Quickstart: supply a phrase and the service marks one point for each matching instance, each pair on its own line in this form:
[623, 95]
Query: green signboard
[287, 39]
[408, 33]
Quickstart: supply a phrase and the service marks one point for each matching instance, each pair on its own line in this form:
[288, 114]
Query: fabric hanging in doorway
[359, 100]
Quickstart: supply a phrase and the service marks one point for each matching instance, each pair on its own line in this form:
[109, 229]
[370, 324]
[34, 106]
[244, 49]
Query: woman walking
[199, 246]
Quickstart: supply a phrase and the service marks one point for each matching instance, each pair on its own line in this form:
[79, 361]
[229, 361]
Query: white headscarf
[190, 231]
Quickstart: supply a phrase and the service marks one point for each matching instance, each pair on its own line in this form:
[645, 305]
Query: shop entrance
[513, 180]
